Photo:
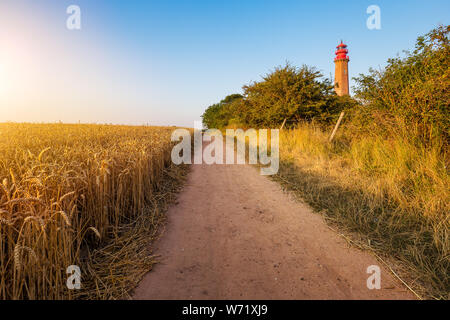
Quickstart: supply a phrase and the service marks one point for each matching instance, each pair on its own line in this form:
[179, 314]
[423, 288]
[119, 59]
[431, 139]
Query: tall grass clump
[67, 190]
[392, 194]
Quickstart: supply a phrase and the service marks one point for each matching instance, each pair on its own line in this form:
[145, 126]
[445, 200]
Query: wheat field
[67, 190]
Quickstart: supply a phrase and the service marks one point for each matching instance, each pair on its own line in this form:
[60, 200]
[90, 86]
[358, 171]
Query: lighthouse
[341, 70]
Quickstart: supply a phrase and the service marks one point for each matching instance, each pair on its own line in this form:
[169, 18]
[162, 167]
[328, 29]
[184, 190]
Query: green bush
[219, 115]
[410, 97]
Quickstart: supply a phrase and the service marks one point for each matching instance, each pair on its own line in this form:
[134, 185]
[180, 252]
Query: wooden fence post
[337, 126]
[282, 126]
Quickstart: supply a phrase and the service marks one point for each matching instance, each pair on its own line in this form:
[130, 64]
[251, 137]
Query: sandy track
[234, 234]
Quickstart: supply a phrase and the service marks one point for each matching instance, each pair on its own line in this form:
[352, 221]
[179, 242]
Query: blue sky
[164, 62]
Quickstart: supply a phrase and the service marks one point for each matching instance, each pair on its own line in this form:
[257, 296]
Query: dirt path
[234, 234]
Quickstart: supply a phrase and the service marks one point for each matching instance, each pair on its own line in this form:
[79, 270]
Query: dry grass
[392, 196]
[77, 195]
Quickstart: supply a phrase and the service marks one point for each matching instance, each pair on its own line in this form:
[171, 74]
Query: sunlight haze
[163, 63]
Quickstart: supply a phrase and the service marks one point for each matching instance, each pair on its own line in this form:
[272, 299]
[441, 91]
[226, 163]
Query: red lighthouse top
[341, 52]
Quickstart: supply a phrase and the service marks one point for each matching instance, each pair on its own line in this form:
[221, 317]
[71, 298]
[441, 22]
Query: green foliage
[219, 115]
[411, 95]
[289, 93]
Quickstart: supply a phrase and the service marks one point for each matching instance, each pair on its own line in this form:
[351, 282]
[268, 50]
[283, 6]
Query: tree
[290, 93]
[294, 94]
[218, 115]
